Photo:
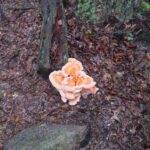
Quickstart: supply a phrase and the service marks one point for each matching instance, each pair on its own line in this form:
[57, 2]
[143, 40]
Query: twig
[21, 8]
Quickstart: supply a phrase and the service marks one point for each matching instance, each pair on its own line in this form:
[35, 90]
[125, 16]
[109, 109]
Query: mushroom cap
[70, 95]
[72, 67]
[62, 94]
[74, 101]
[64, 99]
[85, 92]
[67, 95]
[76, 82]
[86, 81]
[68, 84]
[94, 90]
[56, 79]
[72, 82]
[72, 60]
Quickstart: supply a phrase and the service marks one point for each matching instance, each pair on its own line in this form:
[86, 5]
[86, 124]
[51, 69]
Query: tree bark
[53, 47]
[121, 9]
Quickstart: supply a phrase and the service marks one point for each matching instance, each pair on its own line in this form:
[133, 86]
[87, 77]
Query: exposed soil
[118, 115]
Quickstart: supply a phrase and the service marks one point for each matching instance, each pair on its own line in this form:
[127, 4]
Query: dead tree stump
[53, 47]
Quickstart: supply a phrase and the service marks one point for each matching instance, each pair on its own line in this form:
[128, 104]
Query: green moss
[145, 6]
[66, 52]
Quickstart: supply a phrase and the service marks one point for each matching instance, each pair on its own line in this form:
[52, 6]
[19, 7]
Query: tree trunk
[121, 9]
[53, 48]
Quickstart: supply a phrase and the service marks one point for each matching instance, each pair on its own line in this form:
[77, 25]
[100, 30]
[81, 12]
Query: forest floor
[118, 115]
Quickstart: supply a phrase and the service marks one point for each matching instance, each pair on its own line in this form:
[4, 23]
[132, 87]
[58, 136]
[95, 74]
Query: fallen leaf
[29, 64]
[65, 107]
[17, 120]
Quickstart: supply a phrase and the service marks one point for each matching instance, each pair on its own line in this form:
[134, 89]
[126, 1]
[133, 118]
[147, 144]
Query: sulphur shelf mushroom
[72, 82]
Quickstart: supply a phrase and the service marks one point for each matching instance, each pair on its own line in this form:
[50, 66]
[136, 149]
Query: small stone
[120, 74]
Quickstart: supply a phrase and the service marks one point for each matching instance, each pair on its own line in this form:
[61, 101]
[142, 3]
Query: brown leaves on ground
[118, 114]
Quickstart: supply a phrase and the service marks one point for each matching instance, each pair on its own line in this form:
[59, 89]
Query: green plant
[145, 6]
[86, 9]
[130, 37]
[138, 14]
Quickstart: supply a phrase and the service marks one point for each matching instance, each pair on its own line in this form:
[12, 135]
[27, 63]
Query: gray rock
[47, 137]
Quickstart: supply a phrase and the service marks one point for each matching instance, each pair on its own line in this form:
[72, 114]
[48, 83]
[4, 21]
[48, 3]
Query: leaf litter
[118, 115]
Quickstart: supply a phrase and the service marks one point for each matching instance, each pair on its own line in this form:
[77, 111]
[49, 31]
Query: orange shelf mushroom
[72, 82]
